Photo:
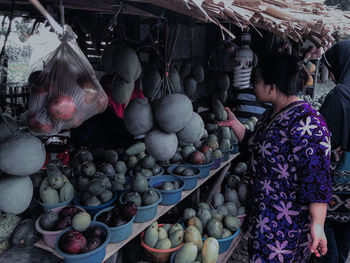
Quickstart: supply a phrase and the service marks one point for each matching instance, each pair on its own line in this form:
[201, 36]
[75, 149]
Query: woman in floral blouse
[290, 182]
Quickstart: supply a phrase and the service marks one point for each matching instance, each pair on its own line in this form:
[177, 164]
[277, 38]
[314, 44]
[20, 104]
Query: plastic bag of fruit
[66, 92]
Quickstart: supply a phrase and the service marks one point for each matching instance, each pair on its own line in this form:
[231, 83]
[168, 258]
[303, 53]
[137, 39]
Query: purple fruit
[120, 222]
[64, 222]
[93, 243]
[105, 217]
[72, 242]
[93, 231]
[128, 210]
[69, 211]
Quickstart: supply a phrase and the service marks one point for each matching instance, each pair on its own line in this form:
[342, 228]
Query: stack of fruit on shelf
[219, 223]
[141, 194]
[83, 238]
[53, 221]
[118, 215]
[164, 237]
[183, 170]
[55, 187]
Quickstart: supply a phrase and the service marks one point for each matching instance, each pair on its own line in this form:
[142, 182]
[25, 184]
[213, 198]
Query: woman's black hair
[284, 70]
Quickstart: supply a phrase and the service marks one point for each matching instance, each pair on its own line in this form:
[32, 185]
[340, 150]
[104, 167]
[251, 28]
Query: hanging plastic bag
[66, 92]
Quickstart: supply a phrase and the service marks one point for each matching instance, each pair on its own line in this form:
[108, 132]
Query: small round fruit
[81, 221]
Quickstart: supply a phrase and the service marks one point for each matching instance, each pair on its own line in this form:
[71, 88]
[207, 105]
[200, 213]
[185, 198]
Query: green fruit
[111, 156]
[88, 169]
[218, 109]
[214, 228]
[136, 149]
[186, 254]
[204, 216]
[166, 227]
[163, 244]
[162, 233]
[146, 172]
[198, 144]
[223, 210]
[214, 145]
[233, 137]
[213, 137]
[232, 196]
[232, 223]
[193, 235]
[120, 178]
[92, 201]
[168, 186]
[226, 233]
[117, 186]
[177, 157]
[148, 162]
[188, 172]
[22, 155]
[66, 192]
[174, 228]
[176, 185]
[106, 196]
[151, 235]
[97, 187]
[55, 177]
[48, 220]
[203, 206]
[217, 154]
[188, 213]
[210, 251]
[241, 210]
[176, 238]
[188, 150]
[139, 183]
[81, 221]
[156, 169]
[217, 215]
[218, 200]
[232, 181]
[240, 168]
[179, 169]
[8, 223]
[132, 162]
[49, 196]
[225, 133]
[195, 221]
[231, 207]
[134, 197]
[121, 89]
[120, 167]
[225, 145]
[149, 197]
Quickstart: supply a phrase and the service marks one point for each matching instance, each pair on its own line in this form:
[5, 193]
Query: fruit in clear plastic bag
[62, 107]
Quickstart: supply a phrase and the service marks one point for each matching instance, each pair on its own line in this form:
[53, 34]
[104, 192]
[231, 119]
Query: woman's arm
[318, 213]
[235, 124]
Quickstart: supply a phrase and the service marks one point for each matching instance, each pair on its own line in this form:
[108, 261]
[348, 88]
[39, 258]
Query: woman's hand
[234, 124]
[319, 240]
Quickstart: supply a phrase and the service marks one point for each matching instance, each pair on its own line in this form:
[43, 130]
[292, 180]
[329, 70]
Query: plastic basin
[203, 169]
[158, 255]
[93, 210]
[50, 236]
[190, 181]
[169, 197]
[145, 213]
[47, 207]
[118, 233]
[241, 217]
[235, 149]
[216, 163]
[95, 256]
[131, 173]
[227, 154]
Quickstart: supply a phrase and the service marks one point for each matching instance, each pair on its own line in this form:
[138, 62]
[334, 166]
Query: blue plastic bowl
[227, 154]
[93, 210]
[169, 197]
[172, 258]
[216, 164]
[47, 207]
[95, 256]
[203, 168]
[235, 149]
[118, 233]
[190, 181]
[145, 213]
[131, 173]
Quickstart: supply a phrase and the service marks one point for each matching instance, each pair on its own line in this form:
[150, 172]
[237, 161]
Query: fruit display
[118, 215]
[315, 103]
[52, 221]
[184, 170]
[55, 187]
[163, 237]
[146, 166]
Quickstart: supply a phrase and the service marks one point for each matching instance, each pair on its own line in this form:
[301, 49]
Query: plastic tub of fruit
[147, 212]
[47, 207]
[118, 233]
[216, 163]
[227, 154]
[93, 210]
[203, 169]
[170, 195]
[131, 173]
[158, 255]
[50, 236]
[94, 256]
[190, 180]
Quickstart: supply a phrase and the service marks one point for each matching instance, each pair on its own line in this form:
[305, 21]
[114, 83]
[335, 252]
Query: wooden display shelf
[226, 255]
[112, 248]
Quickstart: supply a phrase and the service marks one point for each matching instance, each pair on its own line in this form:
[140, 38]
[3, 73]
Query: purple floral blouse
[290, 158]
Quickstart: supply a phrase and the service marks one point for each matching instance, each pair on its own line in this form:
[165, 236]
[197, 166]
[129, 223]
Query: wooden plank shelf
[113, 248]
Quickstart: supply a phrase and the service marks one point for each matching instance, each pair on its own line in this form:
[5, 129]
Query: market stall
[106, 161]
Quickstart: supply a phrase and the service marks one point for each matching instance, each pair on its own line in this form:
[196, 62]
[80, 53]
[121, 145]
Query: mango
[186, 254]
[188, 213]
[210, 251]
[163, 244]
[214, 228]
[162, 233]
[176, 237]
[49, 196]
[66, 192]
[204, 216]
[226, 233]
[232, 223]
[174, 228]
[193, 235]
[195, 221]
[151, 235]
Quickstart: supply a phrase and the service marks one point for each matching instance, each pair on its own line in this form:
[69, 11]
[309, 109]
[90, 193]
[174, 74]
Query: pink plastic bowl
[50, 236]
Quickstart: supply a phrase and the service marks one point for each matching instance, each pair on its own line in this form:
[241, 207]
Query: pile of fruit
[52, 221]
[118, 215]
[141, 194]
[183, 170]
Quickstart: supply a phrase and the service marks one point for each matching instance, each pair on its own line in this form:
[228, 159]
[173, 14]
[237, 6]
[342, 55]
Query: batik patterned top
[290, 158]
